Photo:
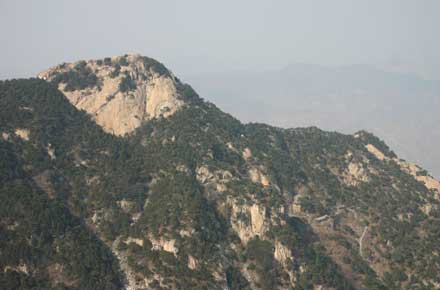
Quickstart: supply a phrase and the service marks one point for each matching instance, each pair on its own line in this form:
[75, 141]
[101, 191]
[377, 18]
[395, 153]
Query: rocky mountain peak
[205, 202]
[120, 92]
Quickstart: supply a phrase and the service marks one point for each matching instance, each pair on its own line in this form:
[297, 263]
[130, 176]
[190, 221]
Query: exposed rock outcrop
[205, 202]
[376, 152]
[419, 175]
[22, 133]
[247, 153]
[416, 171]
[136, 241]
[282, 253]
[192, 262]
[131, 283]
[257, 176]
[120, 93]
[165, 245]
[5, 136]
[249, 221]
[216, 180]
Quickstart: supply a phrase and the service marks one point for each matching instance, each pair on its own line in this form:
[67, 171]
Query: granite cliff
[119, 92]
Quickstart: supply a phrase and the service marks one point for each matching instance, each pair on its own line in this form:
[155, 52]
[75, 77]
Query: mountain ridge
[399, 108]
[198, 200]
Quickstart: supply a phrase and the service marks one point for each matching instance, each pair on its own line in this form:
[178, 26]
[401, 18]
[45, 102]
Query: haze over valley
[219, 145]
[401, 108]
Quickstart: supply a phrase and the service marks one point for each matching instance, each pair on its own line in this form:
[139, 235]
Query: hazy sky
[201, 35]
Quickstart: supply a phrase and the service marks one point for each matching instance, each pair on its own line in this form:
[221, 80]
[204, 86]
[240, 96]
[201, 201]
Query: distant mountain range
[401, 108]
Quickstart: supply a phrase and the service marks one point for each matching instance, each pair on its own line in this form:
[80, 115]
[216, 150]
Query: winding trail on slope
[361, 240]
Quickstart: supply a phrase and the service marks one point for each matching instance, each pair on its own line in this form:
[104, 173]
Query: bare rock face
[120, 92]
[416, 171]
[163, 244]
[249, 221]
[22, 133]
[282, 253]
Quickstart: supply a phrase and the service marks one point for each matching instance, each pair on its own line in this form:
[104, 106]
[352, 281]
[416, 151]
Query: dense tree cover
[389, 192]
[122, 166]
[79, 78]
[127, 84]
[41, 234]
[99, 189]
[116, 71]
[320, 269]
[262, 253]
[37, 230]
